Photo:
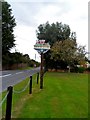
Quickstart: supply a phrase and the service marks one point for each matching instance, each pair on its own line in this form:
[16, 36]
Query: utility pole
[35, 57]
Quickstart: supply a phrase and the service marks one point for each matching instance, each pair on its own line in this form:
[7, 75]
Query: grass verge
[64, 96]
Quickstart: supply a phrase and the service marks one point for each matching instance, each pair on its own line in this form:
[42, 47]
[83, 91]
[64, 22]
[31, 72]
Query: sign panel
[41, 46]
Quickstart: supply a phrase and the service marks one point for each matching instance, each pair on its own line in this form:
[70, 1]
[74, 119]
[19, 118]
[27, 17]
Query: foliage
[68, 52]
[78, 69]
[52, 33]
[12, 58]
[8, 24]
[81, 69]
[80, 53]
[32, 63]
[64, 50]
[17, 58]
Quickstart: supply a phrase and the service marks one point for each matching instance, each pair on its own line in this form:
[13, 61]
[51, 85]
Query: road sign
[41, 46]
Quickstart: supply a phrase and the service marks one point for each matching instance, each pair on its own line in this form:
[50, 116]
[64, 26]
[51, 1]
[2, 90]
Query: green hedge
[78, 69]
[81, 69]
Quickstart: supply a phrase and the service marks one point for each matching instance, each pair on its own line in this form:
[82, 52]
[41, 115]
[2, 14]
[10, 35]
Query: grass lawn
[65, 95]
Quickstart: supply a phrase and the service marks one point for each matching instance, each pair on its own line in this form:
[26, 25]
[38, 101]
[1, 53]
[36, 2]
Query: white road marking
[9, 74]
[18, 72]
[5, 75]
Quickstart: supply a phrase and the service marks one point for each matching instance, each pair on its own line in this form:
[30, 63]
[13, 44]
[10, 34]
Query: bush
[78, 69]
[81, 69]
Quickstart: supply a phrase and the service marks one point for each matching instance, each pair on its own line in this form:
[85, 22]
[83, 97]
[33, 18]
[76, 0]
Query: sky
[29, 14]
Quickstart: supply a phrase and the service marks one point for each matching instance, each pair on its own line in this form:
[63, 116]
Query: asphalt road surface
[12, 77]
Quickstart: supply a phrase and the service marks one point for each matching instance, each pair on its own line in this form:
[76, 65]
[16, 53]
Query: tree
[68, 52]
[8, 24]
[16, 59]
[80, 54]
[52, 33]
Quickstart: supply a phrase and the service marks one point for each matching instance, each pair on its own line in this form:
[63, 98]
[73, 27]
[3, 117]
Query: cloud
[25, 12]
[37, 1]
[30, 14]
[25, 40]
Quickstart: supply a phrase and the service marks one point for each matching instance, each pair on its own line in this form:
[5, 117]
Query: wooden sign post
[41, 48]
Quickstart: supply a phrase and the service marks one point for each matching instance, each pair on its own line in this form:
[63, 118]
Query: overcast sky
[29, 14]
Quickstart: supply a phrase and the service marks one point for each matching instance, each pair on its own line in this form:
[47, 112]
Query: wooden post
[37, 77]
[30, 86]
[9, 103]
[41, 72]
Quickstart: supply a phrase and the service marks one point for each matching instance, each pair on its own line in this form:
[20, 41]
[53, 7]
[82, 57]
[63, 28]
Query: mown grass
[17, 99]
[64, 96]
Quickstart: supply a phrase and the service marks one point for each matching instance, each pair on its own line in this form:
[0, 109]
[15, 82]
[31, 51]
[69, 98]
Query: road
[12, 77]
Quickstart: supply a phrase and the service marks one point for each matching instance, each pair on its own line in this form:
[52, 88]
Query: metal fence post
[30, 86]
[9, 103]
[37, 77]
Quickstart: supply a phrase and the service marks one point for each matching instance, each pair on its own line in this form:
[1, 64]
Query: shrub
[81, 69]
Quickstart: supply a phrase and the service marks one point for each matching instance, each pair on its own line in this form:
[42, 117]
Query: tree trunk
[69, 69]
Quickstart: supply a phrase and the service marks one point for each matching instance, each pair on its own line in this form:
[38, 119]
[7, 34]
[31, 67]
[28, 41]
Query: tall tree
[8, 24]
[53, 32]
